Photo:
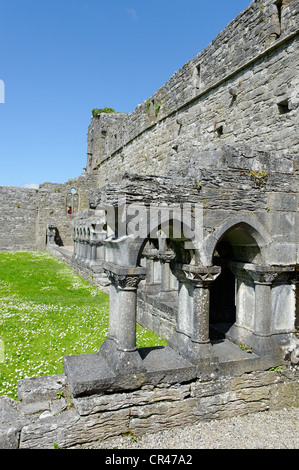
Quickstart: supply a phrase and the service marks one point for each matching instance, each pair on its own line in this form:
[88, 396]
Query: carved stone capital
[201, 276]
[123, 282]
[152, 254]
[267, 274]
[124, 278]
[166, 257]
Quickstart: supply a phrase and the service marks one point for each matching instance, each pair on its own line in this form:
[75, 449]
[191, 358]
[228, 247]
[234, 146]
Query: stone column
[79, 249]
[93, 254]
[120, 348]
[88, 252]
[191, 338]
[166, 259]
[75, 240]
[151, 255]
[263, 276]
[201, 279]
[244, 301]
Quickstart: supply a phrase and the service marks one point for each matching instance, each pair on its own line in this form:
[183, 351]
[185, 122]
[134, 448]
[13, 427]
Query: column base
[196, 353]
[237, 334]
[265, 346]
[121, 362]
[261, 345]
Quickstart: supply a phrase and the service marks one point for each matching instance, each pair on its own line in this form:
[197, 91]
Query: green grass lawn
[47, 312]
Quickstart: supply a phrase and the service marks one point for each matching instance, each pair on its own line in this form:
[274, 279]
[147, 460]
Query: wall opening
[219, 131]
[238, 245]
[278, 5]
[283, 107]
[198, 77]
[222, 293]
[72, 202]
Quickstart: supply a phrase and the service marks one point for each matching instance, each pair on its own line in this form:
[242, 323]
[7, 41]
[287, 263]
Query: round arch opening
[238, 244]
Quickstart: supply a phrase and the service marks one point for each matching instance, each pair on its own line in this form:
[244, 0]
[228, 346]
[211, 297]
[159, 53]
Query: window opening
[198, 77]
[219, 131]
[278, 5]
[72, 202]
[283, 107]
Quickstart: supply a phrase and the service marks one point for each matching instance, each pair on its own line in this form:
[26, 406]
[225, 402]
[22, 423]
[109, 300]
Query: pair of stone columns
[191, 337]
[165, 259]
[192, 334]
[262, 278]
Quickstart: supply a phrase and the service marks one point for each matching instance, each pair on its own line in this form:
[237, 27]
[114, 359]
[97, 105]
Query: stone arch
[247, 226]
[72, 201]
[171, 234]
[235, 243]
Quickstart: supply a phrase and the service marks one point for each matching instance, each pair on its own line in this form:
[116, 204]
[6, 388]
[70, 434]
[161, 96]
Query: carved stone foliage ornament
[123, 281]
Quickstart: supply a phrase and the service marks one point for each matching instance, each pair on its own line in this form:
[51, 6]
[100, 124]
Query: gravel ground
[264, 430]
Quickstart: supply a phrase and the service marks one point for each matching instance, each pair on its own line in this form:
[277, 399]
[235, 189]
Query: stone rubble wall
[18, 218]
[46, 413]
[52, 207]
[26, 213]
[248, 69]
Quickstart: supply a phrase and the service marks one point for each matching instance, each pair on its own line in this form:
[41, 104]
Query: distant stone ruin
[187, 214]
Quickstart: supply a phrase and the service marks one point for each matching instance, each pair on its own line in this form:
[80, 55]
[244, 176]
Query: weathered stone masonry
[18, 218]
[221, 134]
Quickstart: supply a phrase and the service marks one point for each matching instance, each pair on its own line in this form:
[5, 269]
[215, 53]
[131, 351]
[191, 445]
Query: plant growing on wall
[157, 108]
[260, 177]
[97, 111]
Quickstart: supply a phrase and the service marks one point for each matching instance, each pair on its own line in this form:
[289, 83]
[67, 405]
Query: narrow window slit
[278, 5]
[198, 77]
[283, 107]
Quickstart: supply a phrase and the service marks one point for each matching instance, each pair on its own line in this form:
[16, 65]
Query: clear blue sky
[59, 59]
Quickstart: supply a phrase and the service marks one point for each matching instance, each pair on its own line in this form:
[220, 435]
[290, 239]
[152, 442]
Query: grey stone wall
[46, 413]
[53, 203]
[246, 92]
[18, 218]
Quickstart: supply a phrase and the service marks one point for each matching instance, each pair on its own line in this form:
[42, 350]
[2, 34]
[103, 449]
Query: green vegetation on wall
[97, 111]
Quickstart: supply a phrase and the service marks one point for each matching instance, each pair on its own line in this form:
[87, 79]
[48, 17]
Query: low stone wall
[46, 413]
[93, 274]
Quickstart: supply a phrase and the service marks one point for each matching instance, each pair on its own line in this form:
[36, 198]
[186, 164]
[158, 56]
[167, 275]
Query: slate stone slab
[89, 373]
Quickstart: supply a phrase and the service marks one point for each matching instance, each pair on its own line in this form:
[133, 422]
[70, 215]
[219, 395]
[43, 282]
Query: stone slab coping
[90, 374]
[124, 270]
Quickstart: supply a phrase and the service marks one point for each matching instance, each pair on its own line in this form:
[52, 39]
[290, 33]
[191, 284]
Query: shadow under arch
[172, 234]
[239, 243]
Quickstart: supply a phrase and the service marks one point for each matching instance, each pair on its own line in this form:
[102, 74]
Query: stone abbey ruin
[187, 214]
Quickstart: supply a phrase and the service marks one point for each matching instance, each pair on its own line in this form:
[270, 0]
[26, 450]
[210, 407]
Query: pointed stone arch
[248, 225]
